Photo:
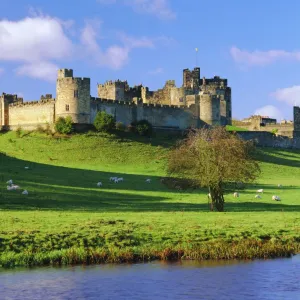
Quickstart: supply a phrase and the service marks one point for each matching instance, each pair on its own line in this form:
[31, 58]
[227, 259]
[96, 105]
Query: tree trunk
[217, 198]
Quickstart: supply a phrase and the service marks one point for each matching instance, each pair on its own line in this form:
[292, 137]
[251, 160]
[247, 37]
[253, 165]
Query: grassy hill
[66, 218]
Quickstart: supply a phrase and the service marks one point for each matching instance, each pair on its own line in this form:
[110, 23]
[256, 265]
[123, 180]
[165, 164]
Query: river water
[269, 279]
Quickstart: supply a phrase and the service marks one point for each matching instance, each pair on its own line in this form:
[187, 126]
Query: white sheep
[258, 196]
[25, 192]
[120, 179]
[99, 184]
[116, 180]
[112, 178]
[275, 198]
[148, 180]
[12, 187]
[260, 191]
[10, 182]
[236, 195]
[26, 168]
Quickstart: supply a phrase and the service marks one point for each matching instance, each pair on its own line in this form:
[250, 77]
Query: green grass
[235, 128]
[66, 219]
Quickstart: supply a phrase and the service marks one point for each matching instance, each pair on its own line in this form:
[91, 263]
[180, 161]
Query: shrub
[104, 121]
[120, 126]
[64, 125]
[274, 131]
[143, 127]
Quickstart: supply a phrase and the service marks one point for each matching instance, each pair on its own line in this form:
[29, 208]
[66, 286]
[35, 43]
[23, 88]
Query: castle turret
[210, 108]
[191, 79]
[296, 133]
[72, 97]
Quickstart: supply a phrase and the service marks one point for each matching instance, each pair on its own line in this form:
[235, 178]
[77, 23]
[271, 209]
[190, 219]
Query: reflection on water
[270, 279]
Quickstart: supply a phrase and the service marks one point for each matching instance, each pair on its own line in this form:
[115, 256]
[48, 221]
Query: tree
[64, 125]
[104, 121]
[212, 158]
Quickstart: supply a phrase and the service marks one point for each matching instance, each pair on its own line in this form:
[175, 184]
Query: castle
[198, 102]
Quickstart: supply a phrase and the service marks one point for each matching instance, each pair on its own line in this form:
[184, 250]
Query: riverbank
[67, 219]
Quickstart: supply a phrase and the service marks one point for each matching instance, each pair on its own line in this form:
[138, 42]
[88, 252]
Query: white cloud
[290, 95]
[132, 42]
[35, 42]
[115, 56]
[159, 8]
[41, 70]
[156, 71]
[33, 39]
[269, 111]
[262, 58]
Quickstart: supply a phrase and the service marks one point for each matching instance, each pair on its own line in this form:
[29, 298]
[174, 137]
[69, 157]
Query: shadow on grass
[282, 158]
[161, 139]
[60, 188]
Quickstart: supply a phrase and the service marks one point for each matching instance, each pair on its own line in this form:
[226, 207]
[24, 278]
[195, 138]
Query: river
[269, 279]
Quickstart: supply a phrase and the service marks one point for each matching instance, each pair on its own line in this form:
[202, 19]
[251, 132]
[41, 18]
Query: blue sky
[254, 44]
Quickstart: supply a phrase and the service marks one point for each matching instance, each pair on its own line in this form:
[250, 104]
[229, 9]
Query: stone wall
[31, 114]
[267, 139]
[157, 115]
[209, 108]
[296, 112]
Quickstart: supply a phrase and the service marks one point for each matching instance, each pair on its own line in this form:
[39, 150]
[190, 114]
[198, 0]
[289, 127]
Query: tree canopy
[212, 158]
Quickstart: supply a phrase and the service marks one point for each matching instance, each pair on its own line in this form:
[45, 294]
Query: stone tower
[296, 133]
[191, 79]
[73, 97]
[210, 108]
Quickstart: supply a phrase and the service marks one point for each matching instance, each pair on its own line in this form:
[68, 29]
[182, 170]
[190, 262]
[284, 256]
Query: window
[75, 93]
[67, 107]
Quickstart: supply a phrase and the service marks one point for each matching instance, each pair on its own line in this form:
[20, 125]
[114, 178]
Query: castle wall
[157, 115]
[31, 114]
[73, 99]
[122, 111]
[167, 116]
[177, 96]
[210, 109]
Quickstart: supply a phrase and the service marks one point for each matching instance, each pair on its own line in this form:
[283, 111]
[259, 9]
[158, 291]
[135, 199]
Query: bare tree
[212, 158]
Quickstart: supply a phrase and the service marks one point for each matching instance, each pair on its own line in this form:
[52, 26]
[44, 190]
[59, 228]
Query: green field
[235, 128]
[67, 219]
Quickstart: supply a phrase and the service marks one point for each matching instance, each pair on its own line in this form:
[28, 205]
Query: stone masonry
[196, 103]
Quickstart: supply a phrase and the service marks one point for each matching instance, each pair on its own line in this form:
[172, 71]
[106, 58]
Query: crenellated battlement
[197, 101]
[32, 103]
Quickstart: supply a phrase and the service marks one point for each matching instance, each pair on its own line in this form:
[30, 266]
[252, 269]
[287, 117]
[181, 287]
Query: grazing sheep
[275, 198]
[25, 192]
[10, 182]
[116, 180]
[279, 185]
[260, 191]
[113, 178]
[258, 196]
[148, 180]
[99, 184]
[26, 168]
[120, 179]
[12, 187]
[236, 195]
